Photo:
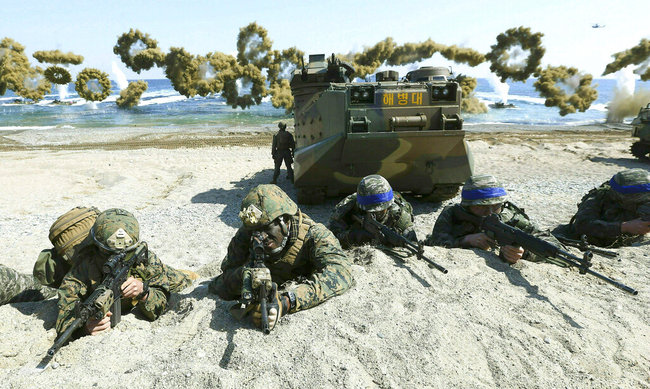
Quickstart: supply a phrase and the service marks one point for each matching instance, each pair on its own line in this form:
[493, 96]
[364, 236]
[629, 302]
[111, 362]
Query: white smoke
[120, 78]
[63, 91]
[625, 81]
[137, 47]
[501, 88]
[626, 101]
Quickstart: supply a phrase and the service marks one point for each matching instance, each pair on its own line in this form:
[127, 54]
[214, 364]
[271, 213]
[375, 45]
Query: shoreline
[127, 138]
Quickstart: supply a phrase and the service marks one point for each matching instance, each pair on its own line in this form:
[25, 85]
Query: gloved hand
[358, 236]
[274, 309]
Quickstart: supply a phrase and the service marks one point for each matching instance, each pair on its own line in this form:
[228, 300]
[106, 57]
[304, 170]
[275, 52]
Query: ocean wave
[495, 97]
[162, 100]
[159, 93]
[598, 107]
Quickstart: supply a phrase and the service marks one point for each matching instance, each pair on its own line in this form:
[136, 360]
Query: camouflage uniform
[311, 265]
[625, 197]
[87, 274]
[399, 218]
[449, 231]
[16, 287]
[82, 280]
[282, 150]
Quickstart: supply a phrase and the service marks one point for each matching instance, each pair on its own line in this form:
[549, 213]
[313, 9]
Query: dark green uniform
[312, 265]
[600, 215]
[399, 218]
[449, 231]
[282, 150]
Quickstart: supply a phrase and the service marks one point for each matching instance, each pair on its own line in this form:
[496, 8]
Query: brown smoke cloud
[58, 57]
[57, 75]
[14, 65]
[138, 51]
[510, 45]
[98, 90]
[469, 103]
[254, 46]
[130, 97]
[371, 58]
[637, 55]
[34, 85]
[554, 81]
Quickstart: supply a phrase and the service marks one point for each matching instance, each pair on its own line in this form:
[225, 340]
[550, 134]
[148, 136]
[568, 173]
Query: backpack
[69, 234]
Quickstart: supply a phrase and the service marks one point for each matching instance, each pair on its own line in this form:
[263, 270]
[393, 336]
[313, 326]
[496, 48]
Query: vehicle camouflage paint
[408, 131]
[641, 129]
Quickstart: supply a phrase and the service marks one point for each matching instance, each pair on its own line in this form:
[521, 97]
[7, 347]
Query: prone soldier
[615, 214]
[483, 195]
[147, 286]
[279, 245]
[374, 198]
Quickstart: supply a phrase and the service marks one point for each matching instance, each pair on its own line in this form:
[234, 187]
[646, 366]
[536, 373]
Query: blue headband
[486, 193]
[375, 199]
[629, 189]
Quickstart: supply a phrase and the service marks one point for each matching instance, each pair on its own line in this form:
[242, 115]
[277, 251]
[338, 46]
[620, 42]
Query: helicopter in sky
[596, 25]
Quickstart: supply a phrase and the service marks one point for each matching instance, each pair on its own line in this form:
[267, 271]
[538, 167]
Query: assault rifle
[106, 296]
[381, 231]
[583, 245]
[264, 290]
[506, 235]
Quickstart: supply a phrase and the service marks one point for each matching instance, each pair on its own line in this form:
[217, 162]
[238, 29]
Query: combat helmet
[263, 204]
[115, 230]
[282, 125]
[482, 189]
[631, 184]
[374, 193]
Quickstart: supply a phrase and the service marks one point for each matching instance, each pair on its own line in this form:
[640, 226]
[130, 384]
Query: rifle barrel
[265, 314]
[60, 341]
[405, 242]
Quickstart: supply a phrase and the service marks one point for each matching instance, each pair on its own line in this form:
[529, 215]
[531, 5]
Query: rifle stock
[507, 235]
[376, 228]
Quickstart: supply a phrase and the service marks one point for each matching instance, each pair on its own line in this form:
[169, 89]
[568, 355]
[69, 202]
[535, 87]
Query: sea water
[162, 107]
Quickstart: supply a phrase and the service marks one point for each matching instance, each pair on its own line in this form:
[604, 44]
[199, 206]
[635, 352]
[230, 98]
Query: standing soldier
[374, 198]
[299, 255]
[616, 213]
[16, 287]
[282, 150]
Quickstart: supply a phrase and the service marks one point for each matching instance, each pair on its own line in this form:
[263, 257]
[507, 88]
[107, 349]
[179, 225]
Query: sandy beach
[404, 325]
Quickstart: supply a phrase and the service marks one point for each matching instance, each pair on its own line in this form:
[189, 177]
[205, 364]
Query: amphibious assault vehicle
[408, 130]
[641, 129]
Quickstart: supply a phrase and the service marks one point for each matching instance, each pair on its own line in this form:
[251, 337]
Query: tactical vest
[284, 266]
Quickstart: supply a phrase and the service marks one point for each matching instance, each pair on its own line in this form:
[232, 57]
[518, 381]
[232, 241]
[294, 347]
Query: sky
[91, 29]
